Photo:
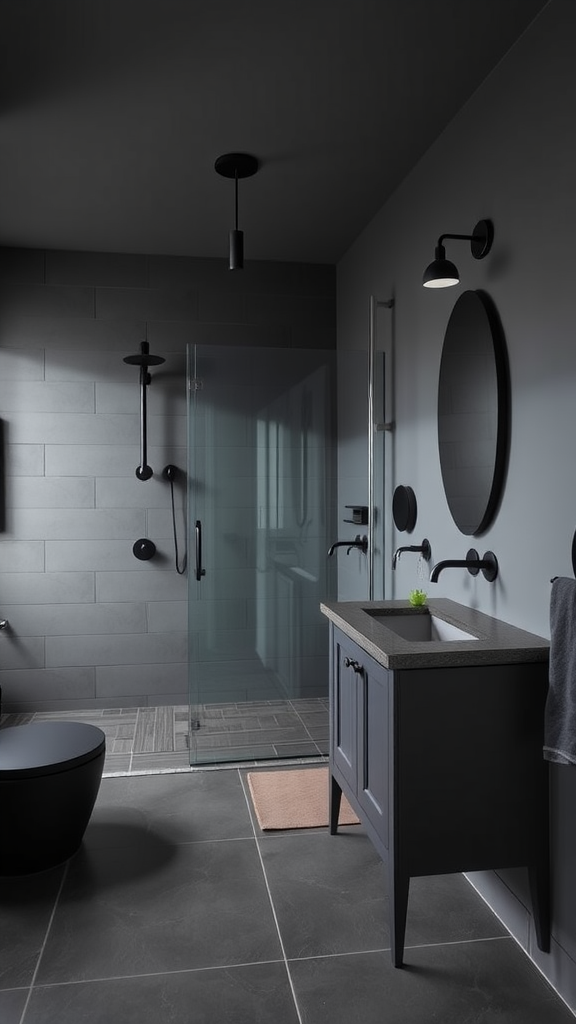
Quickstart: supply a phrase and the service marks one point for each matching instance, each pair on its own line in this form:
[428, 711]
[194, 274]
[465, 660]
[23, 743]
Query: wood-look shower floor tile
[157, 739]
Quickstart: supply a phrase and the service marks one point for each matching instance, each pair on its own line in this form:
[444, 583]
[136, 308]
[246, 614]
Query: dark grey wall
[91, 626]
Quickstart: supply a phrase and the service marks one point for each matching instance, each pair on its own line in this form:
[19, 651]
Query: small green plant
[417, 598]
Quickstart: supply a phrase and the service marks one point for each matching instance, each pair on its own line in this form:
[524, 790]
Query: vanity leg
[399, 885]
[335, 799]
[539, 872]
[539, 878]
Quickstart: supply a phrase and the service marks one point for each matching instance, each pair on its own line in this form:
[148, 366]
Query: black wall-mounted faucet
[488, 565]
[425, 550]
[358, 542]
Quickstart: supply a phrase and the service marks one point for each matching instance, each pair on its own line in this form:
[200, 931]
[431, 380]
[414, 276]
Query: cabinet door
[360, 728]
[344, 706]
[374, 746]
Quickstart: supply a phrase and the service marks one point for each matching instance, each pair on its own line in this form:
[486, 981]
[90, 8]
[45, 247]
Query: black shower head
[143, 358]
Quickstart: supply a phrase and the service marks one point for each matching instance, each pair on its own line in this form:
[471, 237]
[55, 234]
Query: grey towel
[560, 713]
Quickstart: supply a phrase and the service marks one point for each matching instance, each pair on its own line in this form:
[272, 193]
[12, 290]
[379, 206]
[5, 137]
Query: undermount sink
[419, 626]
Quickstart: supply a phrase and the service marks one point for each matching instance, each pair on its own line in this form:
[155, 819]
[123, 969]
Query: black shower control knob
[144, 549]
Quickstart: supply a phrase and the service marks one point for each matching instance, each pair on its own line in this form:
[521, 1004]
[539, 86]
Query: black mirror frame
[501, 453]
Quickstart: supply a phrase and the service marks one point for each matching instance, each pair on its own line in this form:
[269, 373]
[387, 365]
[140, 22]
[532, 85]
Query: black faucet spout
[448, 563]
[358, 542]
[424, 549]
[488, 565]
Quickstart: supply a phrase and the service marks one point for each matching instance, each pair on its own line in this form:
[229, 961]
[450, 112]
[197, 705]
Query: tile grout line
[97, 980]
[272, 907]
[312, 740]
[44, 943]
[386, 949]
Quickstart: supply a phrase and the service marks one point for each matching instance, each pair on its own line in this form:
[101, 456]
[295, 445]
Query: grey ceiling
[113, 112]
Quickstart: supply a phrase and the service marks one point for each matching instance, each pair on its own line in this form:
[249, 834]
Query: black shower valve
[144, 549]
[170, 472]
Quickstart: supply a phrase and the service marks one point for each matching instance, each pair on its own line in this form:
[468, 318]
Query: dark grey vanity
[436, 739]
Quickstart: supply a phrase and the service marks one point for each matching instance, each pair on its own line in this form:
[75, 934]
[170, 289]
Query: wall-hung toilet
[50, 774]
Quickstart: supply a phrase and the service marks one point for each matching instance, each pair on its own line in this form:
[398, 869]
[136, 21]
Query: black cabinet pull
[355, 665]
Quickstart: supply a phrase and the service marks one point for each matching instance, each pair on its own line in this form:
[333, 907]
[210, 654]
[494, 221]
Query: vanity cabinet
[444, 767]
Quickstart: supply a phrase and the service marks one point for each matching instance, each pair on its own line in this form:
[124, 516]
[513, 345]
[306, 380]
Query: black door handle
[200, 572]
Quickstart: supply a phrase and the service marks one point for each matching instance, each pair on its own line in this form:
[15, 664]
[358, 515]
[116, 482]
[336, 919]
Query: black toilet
[50, 774]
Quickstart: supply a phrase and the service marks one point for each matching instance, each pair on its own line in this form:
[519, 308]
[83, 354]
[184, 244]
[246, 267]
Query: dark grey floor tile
[258, 994]
[485, 982]
[157, 906]
[26, 903]
[330, 895]
[445, 908]
[175, 808]
[11, 1005]
[328, 892]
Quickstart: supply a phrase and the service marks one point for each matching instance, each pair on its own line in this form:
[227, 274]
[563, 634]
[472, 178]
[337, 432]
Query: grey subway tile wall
[42, 300]
[48, 588]
[96, 269]
[91, 625]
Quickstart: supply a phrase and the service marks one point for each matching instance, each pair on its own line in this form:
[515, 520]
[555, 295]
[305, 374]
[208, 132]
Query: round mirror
[473, 412]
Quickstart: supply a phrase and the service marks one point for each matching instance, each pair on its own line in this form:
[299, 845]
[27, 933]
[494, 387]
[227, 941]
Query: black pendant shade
[236, 166]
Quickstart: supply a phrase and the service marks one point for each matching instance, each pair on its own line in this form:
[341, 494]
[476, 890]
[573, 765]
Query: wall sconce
[236, 165]
[441, 273]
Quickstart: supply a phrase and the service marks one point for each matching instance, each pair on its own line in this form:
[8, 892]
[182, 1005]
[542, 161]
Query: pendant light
[236, 165]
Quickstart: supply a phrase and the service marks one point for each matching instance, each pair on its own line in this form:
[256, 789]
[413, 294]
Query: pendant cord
[236, 199]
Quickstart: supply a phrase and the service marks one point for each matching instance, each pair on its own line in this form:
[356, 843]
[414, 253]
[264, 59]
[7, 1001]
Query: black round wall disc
[404, 509]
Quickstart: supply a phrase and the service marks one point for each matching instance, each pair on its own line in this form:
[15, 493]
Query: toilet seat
[44, 748]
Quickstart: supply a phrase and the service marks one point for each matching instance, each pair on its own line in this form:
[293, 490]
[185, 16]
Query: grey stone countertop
[497, 643]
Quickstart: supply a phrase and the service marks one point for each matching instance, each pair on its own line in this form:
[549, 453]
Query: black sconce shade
[442, 273]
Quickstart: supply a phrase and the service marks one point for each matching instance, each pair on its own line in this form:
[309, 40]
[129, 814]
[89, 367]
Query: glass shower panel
[262, 512]
[382, 429]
